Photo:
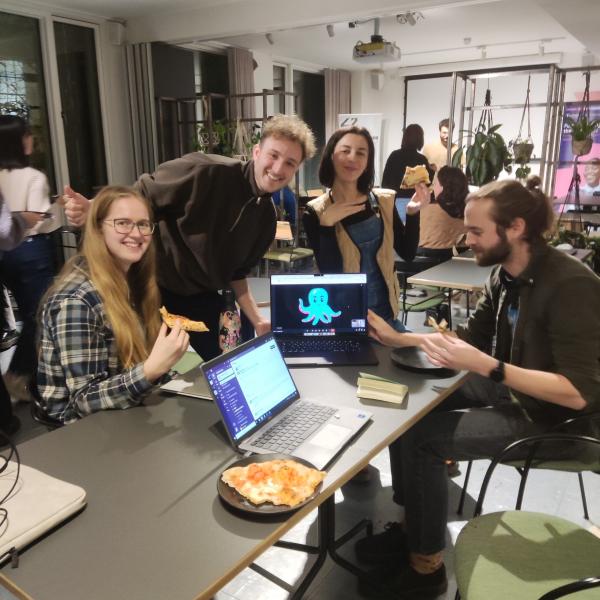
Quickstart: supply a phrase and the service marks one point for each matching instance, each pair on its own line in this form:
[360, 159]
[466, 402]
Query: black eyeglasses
[125, 226]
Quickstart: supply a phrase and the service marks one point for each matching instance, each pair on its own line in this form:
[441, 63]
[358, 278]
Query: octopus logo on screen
[318, 309]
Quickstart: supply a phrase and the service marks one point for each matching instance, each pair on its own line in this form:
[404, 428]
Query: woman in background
[102, 344]
[442, 221]
[353, 228]
[28, 270]
[408, 155]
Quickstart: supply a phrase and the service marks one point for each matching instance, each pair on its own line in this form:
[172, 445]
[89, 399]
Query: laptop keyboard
[319, 345]
[301, 420]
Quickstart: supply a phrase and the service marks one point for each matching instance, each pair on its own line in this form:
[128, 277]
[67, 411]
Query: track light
[410, 17]
[330, 30]
[483, 51]
[269, 37]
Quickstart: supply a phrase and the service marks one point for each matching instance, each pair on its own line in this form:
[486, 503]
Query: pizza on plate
[279, 481]
[414, 175]
[186, 324]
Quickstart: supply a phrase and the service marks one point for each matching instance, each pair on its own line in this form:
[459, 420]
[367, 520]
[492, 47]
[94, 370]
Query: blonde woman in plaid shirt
[102, 344]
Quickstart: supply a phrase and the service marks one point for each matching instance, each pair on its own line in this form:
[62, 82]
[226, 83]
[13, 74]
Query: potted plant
[488, 154]
[486, 157]
[522, 147]
[581, 129]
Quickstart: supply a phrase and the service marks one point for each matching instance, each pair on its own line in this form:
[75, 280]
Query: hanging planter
[488, 154]
[583, 127]
[522, 147]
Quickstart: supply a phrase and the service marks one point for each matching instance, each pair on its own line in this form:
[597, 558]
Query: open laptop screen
[250, 385]
[323, 305]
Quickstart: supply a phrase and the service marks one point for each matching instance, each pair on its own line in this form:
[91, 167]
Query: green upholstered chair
[587, 421]
[522, 555]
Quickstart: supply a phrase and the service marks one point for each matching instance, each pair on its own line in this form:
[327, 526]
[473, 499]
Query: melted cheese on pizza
[276, 481]
[414, 175]
[186, 324]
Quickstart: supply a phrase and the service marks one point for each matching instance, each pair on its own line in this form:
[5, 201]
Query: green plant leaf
[494, 128]
[457, 157]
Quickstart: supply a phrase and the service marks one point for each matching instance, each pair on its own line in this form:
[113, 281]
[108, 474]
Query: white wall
[263, 79]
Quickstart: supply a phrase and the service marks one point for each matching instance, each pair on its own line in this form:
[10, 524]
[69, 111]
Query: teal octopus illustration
[318, 308]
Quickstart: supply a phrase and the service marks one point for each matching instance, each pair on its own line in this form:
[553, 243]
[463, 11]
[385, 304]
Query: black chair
[584, 422]
[525, 555]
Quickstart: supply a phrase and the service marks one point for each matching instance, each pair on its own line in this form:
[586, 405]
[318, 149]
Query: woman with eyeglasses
[102, 344]
[354, 228]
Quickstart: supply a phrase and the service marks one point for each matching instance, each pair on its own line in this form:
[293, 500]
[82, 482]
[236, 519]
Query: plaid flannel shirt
[79, 370]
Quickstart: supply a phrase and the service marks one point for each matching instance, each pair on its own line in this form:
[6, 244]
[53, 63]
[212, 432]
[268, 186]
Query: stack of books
[377, 388]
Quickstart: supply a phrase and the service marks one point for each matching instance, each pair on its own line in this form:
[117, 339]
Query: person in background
[354, 228]
[442, 221]
[28, 269]
[13, 228]
[102, 344]
[408, 155]
[534, 361]
[285, 203]
[437, 152]
[216, 219]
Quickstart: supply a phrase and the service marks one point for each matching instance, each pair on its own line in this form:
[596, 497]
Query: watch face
[497, 374]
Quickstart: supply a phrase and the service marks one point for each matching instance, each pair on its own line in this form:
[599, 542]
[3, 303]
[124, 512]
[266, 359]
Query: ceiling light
[483, 51]
[330, 30]
[541, 48]
[411, 17]
[269, 37]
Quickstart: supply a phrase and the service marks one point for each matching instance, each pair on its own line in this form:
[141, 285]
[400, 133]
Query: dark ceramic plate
[236, 501]
[414, 359]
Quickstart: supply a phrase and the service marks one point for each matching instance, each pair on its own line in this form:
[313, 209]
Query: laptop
[261, 408]
[321, 320]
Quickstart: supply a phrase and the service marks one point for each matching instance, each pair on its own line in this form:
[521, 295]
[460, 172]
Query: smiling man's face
[276, 161]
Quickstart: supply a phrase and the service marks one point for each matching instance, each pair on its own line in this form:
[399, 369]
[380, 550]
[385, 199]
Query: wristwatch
[497, 373]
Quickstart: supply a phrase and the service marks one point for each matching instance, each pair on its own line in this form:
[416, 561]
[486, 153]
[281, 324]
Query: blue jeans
[28, 271]
[477, 421]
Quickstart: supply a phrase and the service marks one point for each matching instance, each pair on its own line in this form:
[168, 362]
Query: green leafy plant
[582, 128]
[486, 157]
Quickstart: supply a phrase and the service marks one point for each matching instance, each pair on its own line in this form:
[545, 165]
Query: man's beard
[496, 254]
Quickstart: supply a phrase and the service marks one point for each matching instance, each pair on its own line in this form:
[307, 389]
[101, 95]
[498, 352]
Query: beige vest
[385, 255]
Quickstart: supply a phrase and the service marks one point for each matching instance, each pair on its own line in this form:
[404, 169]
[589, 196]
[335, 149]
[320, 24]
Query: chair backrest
[534, 443]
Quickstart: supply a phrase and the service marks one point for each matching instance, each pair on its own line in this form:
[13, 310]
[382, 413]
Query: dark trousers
[28, 271]
[478, 421]
[198, 307]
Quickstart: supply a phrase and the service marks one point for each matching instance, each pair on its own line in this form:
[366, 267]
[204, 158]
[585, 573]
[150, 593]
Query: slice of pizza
[280, 482]
[441, 327]
[414, 175]
[186, 324]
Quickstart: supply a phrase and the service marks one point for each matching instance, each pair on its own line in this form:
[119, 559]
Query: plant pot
[581, 147]
[522, 151]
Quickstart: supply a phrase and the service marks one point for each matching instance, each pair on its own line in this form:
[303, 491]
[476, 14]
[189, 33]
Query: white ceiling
[437, 38]
[505, 27]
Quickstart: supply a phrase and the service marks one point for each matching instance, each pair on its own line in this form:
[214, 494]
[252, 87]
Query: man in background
[437, 152]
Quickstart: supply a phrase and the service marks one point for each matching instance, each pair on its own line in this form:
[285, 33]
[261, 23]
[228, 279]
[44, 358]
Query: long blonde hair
[131, 301]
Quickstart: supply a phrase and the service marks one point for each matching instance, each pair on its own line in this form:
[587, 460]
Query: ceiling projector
[376, 51]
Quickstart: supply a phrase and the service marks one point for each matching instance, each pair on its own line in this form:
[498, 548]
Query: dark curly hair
[452, 198]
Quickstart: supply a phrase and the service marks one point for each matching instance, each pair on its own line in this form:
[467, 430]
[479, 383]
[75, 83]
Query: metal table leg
[326, 545]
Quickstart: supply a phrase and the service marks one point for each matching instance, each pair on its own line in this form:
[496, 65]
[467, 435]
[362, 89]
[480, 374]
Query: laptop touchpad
[307, 360]
[331, 436]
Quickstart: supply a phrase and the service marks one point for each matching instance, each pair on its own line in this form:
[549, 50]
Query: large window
[22, 88]
[81, 112]
[310, 106]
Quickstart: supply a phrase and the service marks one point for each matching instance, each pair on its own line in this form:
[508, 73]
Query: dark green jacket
[557, 329]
